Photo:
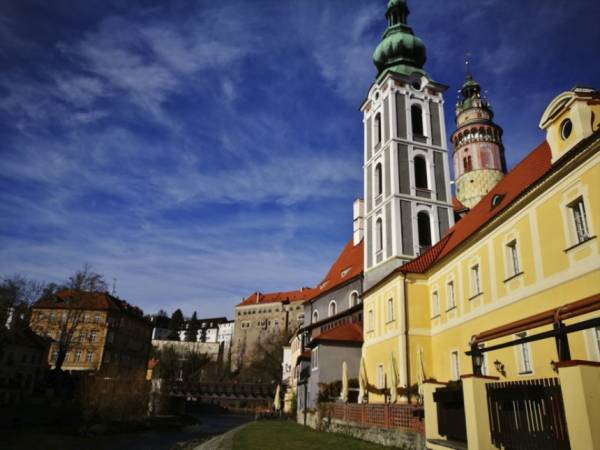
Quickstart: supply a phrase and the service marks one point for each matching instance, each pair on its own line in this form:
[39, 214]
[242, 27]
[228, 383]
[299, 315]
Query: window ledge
[586, 240]
[512, 277]
[390, 321]
[479, 294]
[436, 317]
[451, 309]
[377, 146]
[529, 372]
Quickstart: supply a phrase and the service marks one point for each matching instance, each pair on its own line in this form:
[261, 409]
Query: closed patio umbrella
[277, 400]
[344, 394]
[362, 381]
[393, 383]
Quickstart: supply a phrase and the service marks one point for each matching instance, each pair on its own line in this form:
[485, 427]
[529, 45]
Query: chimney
[257, 297]
[358, 209]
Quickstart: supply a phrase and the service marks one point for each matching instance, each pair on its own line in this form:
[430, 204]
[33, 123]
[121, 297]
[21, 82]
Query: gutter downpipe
[406, 345]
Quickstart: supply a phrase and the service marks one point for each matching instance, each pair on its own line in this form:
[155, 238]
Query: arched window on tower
[421, 179]
[467, 163]
[424, 227]
[416, 114]
[315, 317]
[379, 235]
[378, 129]
[378, 180]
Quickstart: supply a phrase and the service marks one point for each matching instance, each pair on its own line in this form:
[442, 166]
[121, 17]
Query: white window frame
[77, 357]
[314, 359]
[455, 365]
[350, 298]
[579, 220]
[524, 356]
[484, 363]
[435, 304]
[390, 310]
[370, 320]
[451, 304]
[475, 275]
[333, 304]
[89, 356]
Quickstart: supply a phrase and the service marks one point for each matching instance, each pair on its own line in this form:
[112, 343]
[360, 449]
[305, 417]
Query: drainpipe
[406, 345]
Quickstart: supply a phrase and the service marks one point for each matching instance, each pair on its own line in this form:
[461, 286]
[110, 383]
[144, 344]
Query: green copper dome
[393, 3]
[400, 50]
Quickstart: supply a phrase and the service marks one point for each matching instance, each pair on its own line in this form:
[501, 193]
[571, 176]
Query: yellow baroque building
[529, 246]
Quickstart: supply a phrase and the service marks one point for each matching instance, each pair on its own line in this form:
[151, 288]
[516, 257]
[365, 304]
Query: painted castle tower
[406, 174]
[479, 162]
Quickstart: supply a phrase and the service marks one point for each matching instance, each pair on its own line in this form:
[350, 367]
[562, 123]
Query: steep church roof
[348, 265]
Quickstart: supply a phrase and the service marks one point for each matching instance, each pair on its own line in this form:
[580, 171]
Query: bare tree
[82, 282]
[264, 364]
[87, 280]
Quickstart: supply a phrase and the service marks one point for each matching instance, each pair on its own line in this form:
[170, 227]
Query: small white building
[211, 335]
[160, 334]
[225, 334]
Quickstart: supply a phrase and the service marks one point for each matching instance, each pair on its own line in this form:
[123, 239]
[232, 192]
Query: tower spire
[479, 162]
[400, 50]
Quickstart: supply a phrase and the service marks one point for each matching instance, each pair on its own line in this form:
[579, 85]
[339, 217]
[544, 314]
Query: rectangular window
[370, 324]
[484, 370]
[314, 360]
[81, 336]
[89, 356]
[390, 309]
[597, 340]
[77, 356]
[451, 301]
[524, 352]
[435, 304]
[513, 259]
[475, 286]
[580, 220]
[454, 364]
[97, 318]
[93, 336]
[380, 377]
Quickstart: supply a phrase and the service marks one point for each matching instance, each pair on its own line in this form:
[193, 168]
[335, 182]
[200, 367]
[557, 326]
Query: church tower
[406, 174]
[479, 162]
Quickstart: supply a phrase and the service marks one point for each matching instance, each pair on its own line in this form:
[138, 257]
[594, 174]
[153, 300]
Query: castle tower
[479, 162]
[407, 192]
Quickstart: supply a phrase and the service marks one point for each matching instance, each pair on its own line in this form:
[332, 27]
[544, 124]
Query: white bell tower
[408, 204]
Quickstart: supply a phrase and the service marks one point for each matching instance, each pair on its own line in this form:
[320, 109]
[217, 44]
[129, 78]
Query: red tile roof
[68, 299]
[350, 332]
[273, 297]
[458, 206]
[348, 265]
[517, 181]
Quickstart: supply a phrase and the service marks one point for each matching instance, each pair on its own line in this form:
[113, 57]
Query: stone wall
[398, 438]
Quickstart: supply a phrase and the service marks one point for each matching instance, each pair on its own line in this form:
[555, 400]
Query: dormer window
[566, 128]
[496, 199]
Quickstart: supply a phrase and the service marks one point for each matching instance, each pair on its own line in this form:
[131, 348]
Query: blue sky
[196, 151]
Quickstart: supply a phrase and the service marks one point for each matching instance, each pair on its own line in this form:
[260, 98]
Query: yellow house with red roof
[524, 260]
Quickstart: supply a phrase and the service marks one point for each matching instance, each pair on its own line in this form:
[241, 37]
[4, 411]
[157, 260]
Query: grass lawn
[275, 435]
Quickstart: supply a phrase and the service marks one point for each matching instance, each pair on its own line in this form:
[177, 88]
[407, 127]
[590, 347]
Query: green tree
[175, 324]
[192, 330]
